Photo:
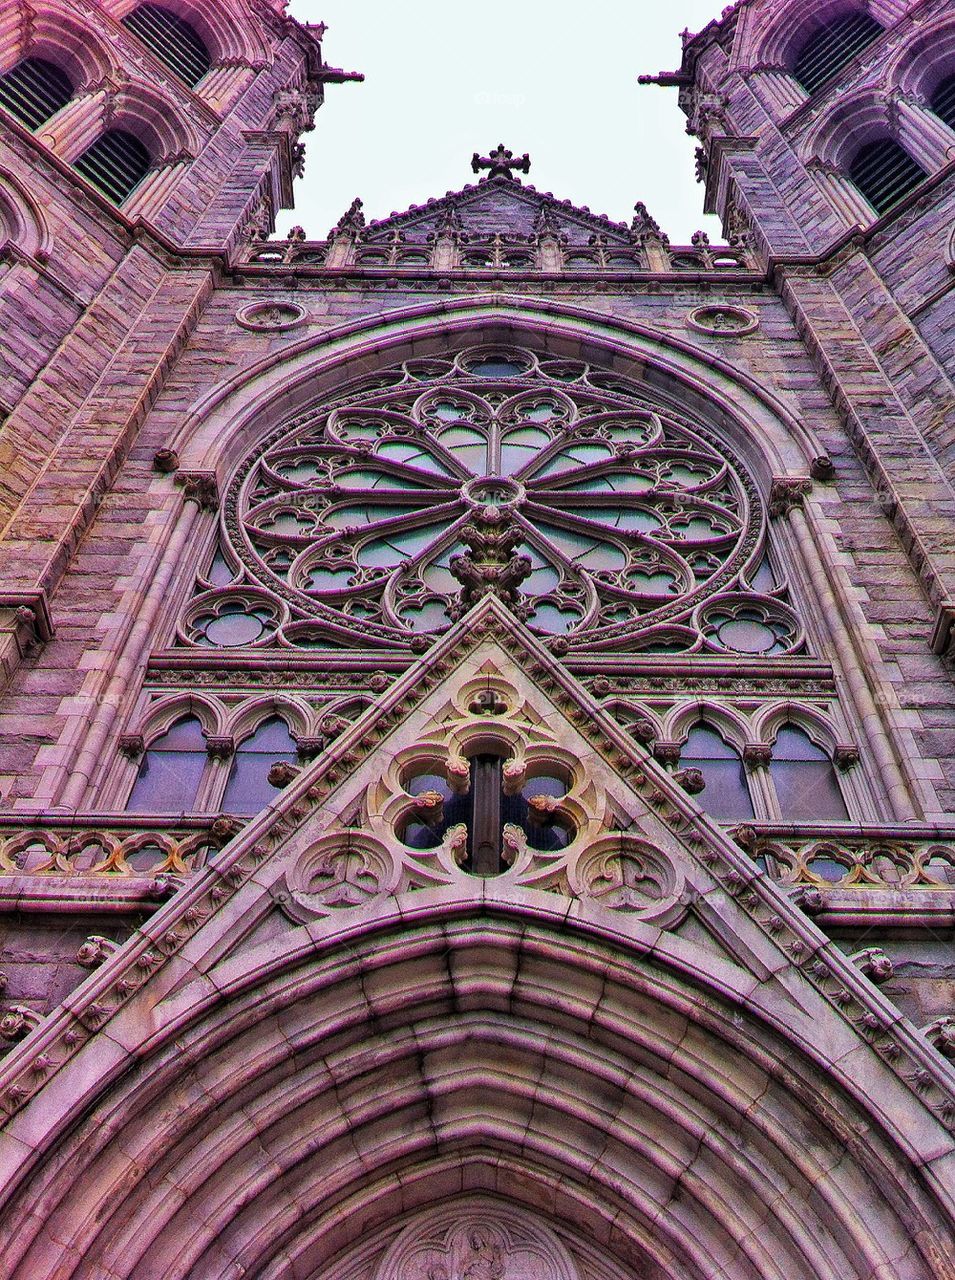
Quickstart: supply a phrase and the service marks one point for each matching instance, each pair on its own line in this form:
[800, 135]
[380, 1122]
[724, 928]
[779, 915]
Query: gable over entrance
[626, 1054]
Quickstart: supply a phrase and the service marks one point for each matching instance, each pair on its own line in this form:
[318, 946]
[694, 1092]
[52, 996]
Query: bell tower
[142, 146]
[827, 146]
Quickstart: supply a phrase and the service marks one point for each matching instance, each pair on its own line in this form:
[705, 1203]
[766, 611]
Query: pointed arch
[223, 25]
[54, 32]
[22, 220]
[224, 424]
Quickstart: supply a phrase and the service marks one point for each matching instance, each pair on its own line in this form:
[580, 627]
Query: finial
[500, 163]
[351, 222]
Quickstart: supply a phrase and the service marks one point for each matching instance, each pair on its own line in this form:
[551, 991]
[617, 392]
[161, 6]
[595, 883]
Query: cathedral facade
[477, 727]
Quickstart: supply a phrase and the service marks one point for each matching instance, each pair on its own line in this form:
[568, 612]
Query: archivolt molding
[923, 60]
[418, 1033]
[227, 422]
[22, 221]
[52, 31]
[223, 25]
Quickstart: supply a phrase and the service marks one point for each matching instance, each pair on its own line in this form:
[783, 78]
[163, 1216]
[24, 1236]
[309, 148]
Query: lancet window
[599, 516]
[187, 769]
[173, 40]
[34, 90]
[832, 47]
[885, 173]
[116, 163]
[171, 770]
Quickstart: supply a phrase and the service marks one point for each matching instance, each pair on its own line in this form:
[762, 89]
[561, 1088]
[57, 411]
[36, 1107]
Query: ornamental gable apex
[644, 870]
[497, 206]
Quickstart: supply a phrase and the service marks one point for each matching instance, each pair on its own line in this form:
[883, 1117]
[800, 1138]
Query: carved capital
[309, 748]
[132, 745]
[219, 746]
[757, 755]
[667, 753]
[845, 756]
[787, 494]
[200, 487]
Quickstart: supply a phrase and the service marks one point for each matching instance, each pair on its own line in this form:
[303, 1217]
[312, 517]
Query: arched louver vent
[117, 162]
[885, 172]
[943, 101]
[832, 46]
[34, 90]
[172, 40]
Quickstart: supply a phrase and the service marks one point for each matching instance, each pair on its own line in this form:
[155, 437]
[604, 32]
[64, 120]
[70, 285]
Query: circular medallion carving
[733, 322]
[271, 317]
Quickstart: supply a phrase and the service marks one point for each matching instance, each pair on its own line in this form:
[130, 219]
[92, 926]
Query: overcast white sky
[555, 78]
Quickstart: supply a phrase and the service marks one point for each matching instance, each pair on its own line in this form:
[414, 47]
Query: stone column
[130, 647]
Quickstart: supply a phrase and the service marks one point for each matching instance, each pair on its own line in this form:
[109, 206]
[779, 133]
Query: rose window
[592, 512]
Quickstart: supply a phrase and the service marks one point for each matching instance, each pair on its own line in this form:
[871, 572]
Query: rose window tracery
[595, 514]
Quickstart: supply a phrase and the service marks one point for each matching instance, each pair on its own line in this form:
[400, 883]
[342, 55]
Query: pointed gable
[497, 206]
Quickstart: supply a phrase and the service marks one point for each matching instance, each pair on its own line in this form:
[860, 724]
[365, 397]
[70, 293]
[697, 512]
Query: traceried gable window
[600, 517]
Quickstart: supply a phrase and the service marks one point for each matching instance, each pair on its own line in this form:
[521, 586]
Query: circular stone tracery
[382, 510]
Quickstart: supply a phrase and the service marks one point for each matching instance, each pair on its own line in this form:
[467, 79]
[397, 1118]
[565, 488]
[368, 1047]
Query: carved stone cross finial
[501, 162]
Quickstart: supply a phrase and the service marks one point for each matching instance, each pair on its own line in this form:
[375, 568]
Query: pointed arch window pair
[173, 774]
[801, 773]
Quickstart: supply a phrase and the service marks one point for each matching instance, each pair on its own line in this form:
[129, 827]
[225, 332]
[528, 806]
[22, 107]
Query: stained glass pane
[248, 789]
[353, 517]
[725, 794]
[807, 787]
[576, 456]
[591, 553]
[171, 771]
[412, 454]
[386, 552]
[496, 369]
[368, 479]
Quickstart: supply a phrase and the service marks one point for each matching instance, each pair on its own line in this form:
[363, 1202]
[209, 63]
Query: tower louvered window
[116, 163]
[943, 101]
[885, 172]
[834, 45]
[34, 90]
[172, 40]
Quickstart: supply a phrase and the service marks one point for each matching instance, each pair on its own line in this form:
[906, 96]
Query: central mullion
[494, 449]
[485, 827]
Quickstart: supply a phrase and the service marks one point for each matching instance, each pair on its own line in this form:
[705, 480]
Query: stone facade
[476, 725]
